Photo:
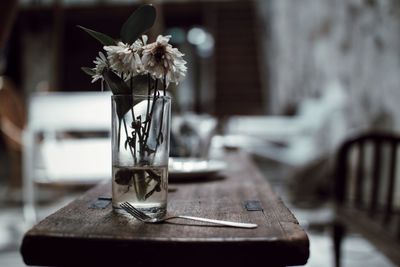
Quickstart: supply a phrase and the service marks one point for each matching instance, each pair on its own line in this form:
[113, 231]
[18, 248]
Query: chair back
[366, 179]
[75, 143]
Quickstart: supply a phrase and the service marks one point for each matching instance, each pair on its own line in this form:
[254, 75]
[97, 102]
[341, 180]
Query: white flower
[101, 63]
[125, 59]
[161, 59]
[138, 44]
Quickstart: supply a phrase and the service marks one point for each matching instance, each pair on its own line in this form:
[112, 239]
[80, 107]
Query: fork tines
[133, 211]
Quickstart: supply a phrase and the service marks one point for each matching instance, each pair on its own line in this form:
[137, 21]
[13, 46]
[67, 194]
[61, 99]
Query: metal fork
[141, 216]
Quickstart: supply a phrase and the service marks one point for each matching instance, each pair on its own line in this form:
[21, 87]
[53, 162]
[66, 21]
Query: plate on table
[189, 168]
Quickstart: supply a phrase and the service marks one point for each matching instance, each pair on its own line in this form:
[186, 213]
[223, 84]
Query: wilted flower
[101, 63]
[124, 58]
[161, 60]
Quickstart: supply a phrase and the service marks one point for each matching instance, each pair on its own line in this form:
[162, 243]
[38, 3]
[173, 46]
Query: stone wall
[353, 43]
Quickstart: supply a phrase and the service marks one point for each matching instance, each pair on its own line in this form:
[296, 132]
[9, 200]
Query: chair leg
[338, 234]
[28, 185]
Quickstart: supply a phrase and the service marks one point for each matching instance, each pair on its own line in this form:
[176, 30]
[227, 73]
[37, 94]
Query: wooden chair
[12, 122]
[66, 143]
[367, 193]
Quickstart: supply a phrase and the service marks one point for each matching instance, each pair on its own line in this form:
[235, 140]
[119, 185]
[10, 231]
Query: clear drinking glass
[140, 150]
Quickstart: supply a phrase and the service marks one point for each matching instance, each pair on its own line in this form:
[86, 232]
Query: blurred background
[286, 80]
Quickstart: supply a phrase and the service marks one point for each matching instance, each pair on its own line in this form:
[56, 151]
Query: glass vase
[140, 150]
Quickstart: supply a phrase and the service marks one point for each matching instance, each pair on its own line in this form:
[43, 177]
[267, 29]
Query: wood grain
[79, 235]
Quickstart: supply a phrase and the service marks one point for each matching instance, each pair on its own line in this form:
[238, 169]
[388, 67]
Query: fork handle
[220, 222]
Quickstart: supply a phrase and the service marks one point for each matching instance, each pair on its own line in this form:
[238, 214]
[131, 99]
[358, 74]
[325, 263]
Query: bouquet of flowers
[133, 66]
[132, 57]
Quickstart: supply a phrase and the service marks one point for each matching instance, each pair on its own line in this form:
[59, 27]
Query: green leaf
[138, 23]
[88, 71]
[117, 84]
[101, 37]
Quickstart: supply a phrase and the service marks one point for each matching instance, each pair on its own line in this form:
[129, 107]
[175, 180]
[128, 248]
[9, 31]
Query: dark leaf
[101, 37]
[156, 188]
[150, 193]
[124, 177]
[123, 105]
[138, 23]
[88, 71]
[117, 84]
[119, 87]
[154, 175]
[149, 150]
[139, 84]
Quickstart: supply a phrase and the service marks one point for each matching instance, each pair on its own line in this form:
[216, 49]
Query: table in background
[87, 231]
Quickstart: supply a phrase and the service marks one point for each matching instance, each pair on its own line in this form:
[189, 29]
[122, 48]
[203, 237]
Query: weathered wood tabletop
[87, 232]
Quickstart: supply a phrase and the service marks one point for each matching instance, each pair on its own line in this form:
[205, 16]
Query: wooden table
[87, 232]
